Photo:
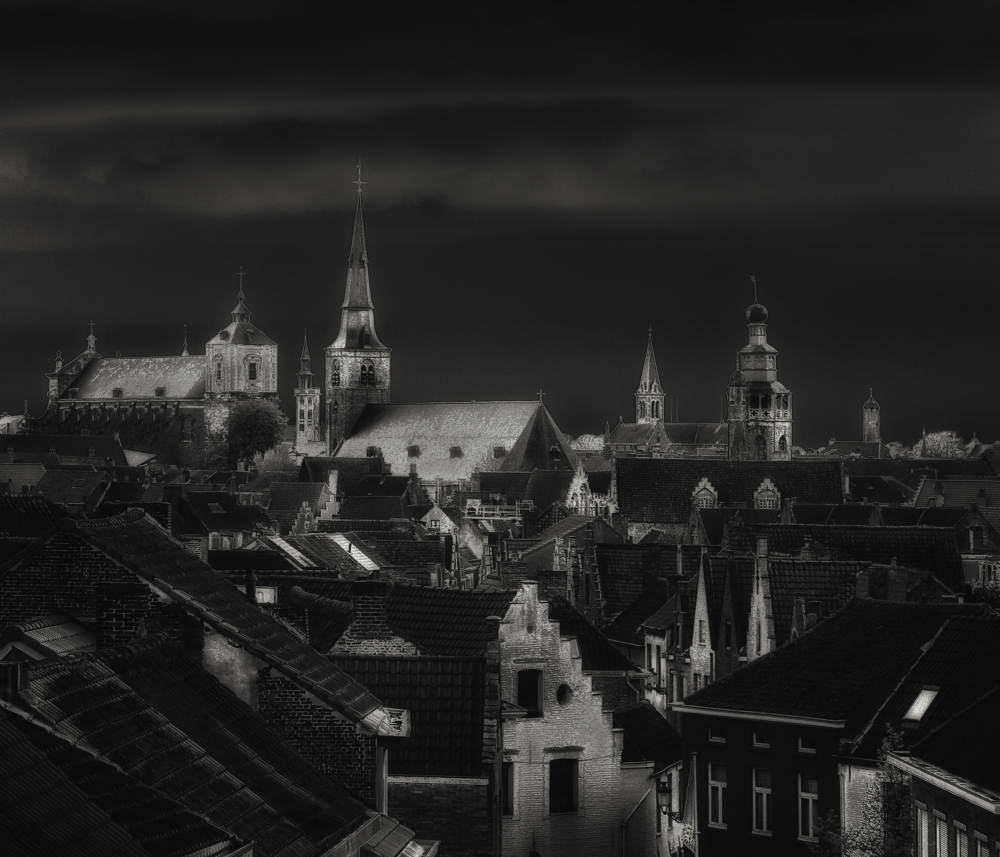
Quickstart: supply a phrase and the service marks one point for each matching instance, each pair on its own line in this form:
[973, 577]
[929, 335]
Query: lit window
[808, 798]
[563, 785]
[761, 801]
[921, 704]
[717, 794]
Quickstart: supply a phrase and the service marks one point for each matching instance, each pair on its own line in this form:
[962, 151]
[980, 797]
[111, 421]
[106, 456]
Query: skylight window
[215, 507]
[79, 483]
[921, 704]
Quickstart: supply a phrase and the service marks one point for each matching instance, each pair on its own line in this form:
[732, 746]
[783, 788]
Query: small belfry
[760, 406]
[871, 431]
[649, 396]
[307, 399]
[357, 363]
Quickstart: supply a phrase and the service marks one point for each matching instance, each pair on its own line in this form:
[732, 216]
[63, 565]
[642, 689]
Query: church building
[163, 405]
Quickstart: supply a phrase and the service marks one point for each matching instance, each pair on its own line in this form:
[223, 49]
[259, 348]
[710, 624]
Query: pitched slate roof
[328, 619]
[524, 429]
[164, 720]
[139, 377]
[627, 626]
[510, 485]
[633, 433]
[696, 434]
[625, 570]
[141, 545]
[27, 517]
[44, 812]
[714, 520]
[241, 560]
[548, 486]
[596, 651]
[879, 489]
[446, 698]
[217, 511]
[858, 448]
[84, 787]
[344, 553]
[72, 487]
[660, 490]
[349, 470]
[907, 516]
[831, 583]
[560, 529]
[831, 672]
[933, 549]
[382, 485]
[958, 491]
[825, 513]
[373, 508]
[286, 499]
[910, 470]
[648, 736]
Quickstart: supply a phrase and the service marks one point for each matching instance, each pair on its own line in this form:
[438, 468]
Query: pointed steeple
[305, 365]
[649, 396]
[185, 352]
[357, 322]
[305, 358]
[649, 382]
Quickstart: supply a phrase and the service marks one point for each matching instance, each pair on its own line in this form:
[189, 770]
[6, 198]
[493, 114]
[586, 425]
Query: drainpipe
[628, 818]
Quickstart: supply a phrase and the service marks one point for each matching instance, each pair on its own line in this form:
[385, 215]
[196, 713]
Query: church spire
[305, 365]
[91, 340]
[649, 396]
[185, 352]
[240, 312]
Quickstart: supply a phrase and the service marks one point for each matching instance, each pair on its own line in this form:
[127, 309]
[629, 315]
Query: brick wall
[456, 812]
[332, 745]
[121, 610]
[615, 691]
[369, 634]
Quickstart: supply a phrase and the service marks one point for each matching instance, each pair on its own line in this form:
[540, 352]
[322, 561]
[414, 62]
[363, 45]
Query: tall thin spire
[305, 345]
[649, 382]
[185, 352]
[91, 339]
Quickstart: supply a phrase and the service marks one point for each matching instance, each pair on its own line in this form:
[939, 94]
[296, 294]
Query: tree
[252, 429]
[941, 444]
[886, 828]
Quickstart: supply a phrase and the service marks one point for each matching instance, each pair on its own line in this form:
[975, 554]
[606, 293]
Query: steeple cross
[91, 325]
[241, 275]
[540, 394]
[358, 181]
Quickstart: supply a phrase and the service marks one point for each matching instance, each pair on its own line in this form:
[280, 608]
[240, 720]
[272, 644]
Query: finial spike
[358, 181]
[754, 279]
[184, 352]
[241, 275]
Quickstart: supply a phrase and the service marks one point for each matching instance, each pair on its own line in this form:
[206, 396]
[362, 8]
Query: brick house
[790, 738]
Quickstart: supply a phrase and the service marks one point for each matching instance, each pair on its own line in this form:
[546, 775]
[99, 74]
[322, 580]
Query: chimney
[938, 493]
[369, 599]
[896, 584]
[863, 583]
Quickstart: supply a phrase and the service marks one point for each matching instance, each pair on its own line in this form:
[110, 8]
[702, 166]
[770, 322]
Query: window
[252, 370]
[79, 483]
[507, 788]
[499, 451]
[413, 451]
[563, 785]
[716, 794]
[187, 428]
[808, 797]
[921, 704]
[783, 444]
[367, 374]
[656, 410]
[982, 849]
[335, 373]
[761, 800]
[762, 739]
[218, 370]
[701, 631]
[658, 665]
[642, 409]
[941, 834]
[529, 691]
[923, 833]
[564, 695]
[455, 452]
[649, 656]
[216, 508]
[717, 734]
[961, 841]
[697, 682]
[807, 745]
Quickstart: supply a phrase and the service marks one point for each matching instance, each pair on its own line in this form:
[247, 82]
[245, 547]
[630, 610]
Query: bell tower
[649, 396]
[871, 431]
[307, 399]
[357, 363]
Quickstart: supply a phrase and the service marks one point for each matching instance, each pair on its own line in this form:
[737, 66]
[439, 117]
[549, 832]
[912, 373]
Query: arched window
[642, 408]
[783, 444]
[187, 428]
[252, 370]
[761, 447]
[656, 410]
[335, 373]
[218, 370]
[367, 374]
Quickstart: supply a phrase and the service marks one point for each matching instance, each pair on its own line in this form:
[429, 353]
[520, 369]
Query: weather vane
[358, 181]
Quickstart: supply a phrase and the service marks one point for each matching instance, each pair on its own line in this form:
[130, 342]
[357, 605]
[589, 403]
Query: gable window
[761, 801]
[808, 798]
[367, 374]
[218, 370]
[766, 496]
[507, 788]
[564, 786]
[921, 704]
[704, 495]
[335, 373]
[717, 778]
[529, 691]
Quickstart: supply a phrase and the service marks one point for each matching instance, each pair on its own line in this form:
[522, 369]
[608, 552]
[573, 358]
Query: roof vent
[161, 392]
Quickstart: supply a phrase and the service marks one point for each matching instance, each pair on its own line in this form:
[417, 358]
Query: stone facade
[568, 756]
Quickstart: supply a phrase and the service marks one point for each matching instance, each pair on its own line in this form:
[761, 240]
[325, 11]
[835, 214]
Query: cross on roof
[540, 394]
[91, 324]
[241, 275]
[358, 181]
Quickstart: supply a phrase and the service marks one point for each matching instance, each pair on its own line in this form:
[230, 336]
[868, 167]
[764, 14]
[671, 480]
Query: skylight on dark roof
[921, 704]
[215, 507]
[79, 483]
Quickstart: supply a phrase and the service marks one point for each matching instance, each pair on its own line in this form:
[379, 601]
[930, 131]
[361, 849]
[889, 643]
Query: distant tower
[357, 363]
[240, 360]
[760, 406]
[307, 398]
[870, 429]
[649, 396]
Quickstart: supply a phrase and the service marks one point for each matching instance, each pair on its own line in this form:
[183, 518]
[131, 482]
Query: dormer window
[766, 496]
[161, 392]
[920, 705]
[413, 451]
[455, 452]
[499, 451]
[91, 451]
[704, 495]
[116, 393]
[223, 334]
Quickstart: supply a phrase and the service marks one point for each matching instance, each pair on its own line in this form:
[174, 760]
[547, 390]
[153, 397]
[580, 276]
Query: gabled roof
[287, 499]
[142, 546]
[73, 487]
[560, 529]
[148, 708]
[830, 583]
[373, 508]
[49, 636]
[446, 698]
[934, 549]
[380, 486]
[910, 470]
[842, 670]
[328, 618]
[349, 471]
[627, 626]
[827, 513]
[67, 448]
[648, 736]
[633, 434]
[960, 491]
[460, 438]
[241, 560]
[907, 516]
[655, 490]
[61, 790]
[596, 651]
[625, 570]
[218, 511]
[140, 377]
[548, 486]
[696, 434]
[857, 448]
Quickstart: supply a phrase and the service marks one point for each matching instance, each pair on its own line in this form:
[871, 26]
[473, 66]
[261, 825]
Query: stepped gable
[627, 626]
[446, 698]
[933, 549]
[648, 736]
[79, 787]
[44, 809]
[140, 545]
[655, 490]
[596, 650]
[286, 499]
[963, 662]
[149, 709]
[455, 440]
[830, 673]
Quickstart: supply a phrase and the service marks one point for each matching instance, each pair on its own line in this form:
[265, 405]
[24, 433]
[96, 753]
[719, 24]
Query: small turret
[870, 418]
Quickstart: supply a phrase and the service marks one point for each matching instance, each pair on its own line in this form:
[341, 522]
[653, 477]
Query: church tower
[760, 406]
[307, 399]
[871, 431]
[649, 396]
[357, 363]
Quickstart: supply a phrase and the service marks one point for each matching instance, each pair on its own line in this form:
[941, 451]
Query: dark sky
[542, 188]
